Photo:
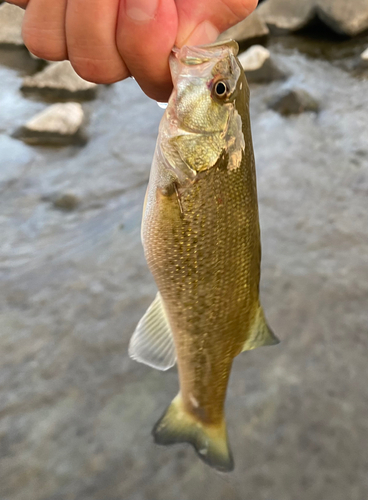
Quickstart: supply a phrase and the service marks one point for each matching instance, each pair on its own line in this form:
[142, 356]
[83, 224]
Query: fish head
[203, 119]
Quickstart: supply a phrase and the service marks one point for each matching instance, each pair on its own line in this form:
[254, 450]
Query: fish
[201, 239]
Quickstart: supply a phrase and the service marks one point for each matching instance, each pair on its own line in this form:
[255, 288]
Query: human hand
[110, 40]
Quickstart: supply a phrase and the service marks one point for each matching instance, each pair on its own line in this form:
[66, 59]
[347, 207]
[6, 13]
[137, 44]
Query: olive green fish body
[201, 238]
[202, 247]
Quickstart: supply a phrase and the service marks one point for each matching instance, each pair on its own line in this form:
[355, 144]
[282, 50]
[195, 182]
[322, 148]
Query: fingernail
[141, 10]
[204, 33]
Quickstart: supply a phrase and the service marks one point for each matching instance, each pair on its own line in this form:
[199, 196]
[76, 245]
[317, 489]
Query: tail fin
[209, 441]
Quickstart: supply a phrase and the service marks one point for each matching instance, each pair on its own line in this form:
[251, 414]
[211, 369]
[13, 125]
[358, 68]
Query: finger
[202, 22]
[91, 41]
[19, 3]
[43, 29]
[146, 34]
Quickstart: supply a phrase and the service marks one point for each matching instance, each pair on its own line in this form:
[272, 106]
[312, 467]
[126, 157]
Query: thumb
[202, 22]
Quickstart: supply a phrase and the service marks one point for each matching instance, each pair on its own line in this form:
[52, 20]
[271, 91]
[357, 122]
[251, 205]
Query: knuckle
[97, 71]
[43, 47]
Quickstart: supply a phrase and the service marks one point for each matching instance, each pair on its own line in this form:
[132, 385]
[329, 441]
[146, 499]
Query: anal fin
[261, 334]
[152, 342]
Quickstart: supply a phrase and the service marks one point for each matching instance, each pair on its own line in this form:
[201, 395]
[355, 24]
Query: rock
[59, 124]
[11, 18]
[364, 59]
[293, 102]
[66, 201]
[253, 28]
[258, 65]
[347, 18]
[59, 80]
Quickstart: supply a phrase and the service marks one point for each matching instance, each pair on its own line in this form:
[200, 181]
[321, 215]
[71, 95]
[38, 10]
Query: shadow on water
[19, 59]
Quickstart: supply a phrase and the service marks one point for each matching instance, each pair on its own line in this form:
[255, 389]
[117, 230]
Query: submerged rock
[293, 102]
[65, 201]
[59, 124]
[253, 28]
[11, 18]
[348, 18]
[364, 58]
[59, 80]
[259, 66]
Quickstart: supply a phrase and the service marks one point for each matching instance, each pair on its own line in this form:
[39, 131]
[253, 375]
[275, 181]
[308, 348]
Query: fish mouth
[194, 55]
[189, 56]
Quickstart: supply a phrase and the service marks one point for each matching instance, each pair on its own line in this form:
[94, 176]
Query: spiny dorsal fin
[261, 334]
[210, 441]
[152, 341]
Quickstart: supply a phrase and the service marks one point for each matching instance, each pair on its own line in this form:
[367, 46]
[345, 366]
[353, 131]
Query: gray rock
[11, 18]
[59, 124]
[59, 80]
[259, 66]
[66, 201]
[293, 102]
[348, 18]
[364, 58]
[251, 29]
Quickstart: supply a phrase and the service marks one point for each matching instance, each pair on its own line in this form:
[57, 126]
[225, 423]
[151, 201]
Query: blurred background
[75, 412]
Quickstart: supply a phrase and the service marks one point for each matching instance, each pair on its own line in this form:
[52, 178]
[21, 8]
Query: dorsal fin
[261, 334]
[152, 342]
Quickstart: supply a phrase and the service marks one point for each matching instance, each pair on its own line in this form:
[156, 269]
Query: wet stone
[259, 66]
[59, 124]
[347, 18]
[66, 201]
[11, 18]
[59, 80]
[251, 29]
[364, 58]
[293, 102]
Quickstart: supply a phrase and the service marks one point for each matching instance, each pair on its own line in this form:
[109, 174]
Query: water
[75, 412]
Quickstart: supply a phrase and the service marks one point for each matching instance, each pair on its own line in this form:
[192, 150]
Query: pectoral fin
[152, 341]
[261, 334]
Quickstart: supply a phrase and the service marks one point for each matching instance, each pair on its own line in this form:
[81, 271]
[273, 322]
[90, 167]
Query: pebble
[293, 102]
[66, 201]
[364, 58]
[59, 124]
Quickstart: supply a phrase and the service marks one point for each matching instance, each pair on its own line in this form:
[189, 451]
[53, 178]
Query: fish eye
[220, 89]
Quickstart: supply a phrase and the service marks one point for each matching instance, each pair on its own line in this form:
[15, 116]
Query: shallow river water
[75, 412]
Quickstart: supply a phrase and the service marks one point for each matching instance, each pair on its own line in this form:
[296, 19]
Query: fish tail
[210, 441]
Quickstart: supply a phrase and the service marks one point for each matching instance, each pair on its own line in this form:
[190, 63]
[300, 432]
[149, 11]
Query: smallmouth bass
[201, 238]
